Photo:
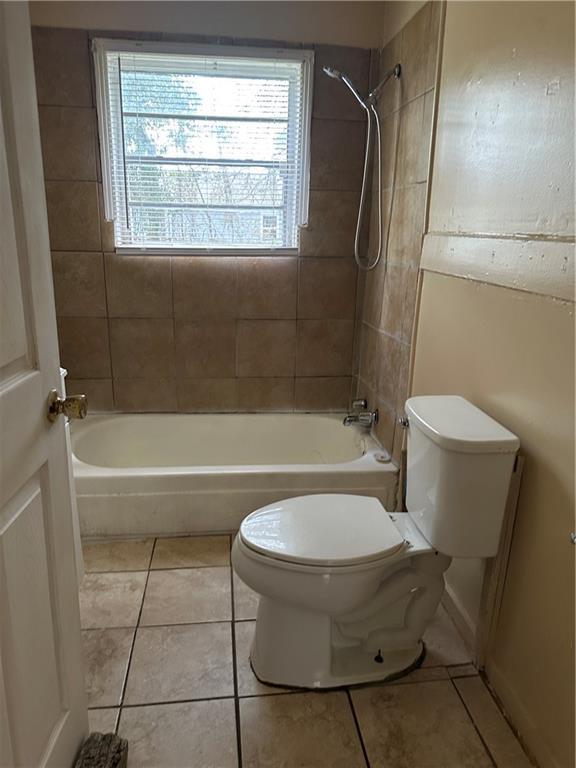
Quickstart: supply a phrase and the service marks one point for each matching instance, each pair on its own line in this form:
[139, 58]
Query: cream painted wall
[338, 23]
[496, 323]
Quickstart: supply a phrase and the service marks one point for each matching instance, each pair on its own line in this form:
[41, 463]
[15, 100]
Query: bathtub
[203, 473]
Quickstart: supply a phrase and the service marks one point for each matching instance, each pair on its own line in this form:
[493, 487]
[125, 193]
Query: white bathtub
[187, 473]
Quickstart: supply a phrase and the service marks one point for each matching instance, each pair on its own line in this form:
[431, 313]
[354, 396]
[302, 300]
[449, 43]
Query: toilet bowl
[347, 588]
[333, 573]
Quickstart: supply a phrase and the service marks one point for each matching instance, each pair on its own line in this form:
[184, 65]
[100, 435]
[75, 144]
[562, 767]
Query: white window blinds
[203, 147]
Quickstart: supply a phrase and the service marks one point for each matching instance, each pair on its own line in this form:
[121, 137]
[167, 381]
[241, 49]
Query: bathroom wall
[389, 301]
[355, 23]
[155, 333]
[496, 324]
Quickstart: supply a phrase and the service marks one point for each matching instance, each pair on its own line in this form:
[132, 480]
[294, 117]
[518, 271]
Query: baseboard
[466, 627]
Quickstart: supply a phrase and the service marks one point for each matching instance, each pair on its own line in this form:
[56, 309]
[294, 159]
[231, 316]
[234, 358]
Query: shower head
[331, 72]
[337, 75]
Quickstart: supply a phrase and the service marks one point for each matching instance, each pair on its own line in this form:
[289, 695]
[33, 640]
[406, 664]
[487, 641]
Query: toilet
[346, 588]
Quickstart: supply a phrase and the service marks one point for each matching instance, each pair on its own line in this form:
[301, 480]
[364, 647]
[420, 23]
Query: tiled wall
[390, 290]
[157, 333]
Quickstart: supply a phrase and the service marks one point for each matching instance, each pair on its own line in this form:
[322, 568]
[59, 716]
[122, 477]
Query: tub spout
[365, 419]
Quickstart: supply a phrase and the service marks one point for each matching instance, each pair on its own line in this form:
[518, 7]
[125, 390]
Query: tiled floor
[167, 631]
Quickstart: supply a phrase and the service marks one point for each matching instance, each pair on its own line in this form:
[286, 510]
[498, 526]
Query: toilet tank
[460, 462]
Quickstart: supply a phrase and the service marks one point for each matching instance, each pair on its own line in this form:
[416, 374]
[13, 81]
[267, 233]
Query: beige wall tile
[142, 349]
[73, 218]
[267, 287]
[266, 348]
[270, 394]
[68, 143]
[324, 347]
[407, 225]
[369, 355]
[106, 227]
[145, 395]
[419, 51]
[390, 147]
[62, 65]
[392, 96]
[98, 391]
[384, 429]
[205, 287]
[399, 298]
[84, 347]
[337, 153]
[327, 288]
[206, 350]
[412, 165]
[373, 294]
[389, 353]
[331, 98]
[79, 288]
[138, 286]
[331, 224]
[205, 395]
[330, 393]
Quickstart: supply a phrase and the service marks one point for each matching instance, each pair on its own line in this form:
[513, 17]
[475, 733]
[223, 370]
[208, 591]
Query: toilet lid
[326, 529]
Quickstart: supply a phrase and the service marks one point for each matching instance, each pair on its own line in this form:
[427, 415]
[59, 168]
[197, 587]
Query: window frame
[102, 45]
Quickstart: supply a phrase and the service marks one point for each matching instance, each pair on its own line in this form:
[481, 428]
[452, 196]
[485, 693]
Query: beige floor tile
[310, 730]
[186, 596]
[444, 646]
[192, 661]
[497, 734]
[102, 720]
[424, 725]
[248, 684]
[245, 601]
[201, 734]
[191, 552]
[106, 655]
[111, 599]
[422, 675]
[127, 555]
[463, 670]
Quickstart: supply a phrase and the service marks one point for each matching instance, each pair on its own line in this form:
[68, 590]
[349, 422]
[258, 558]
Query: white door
[42, 705]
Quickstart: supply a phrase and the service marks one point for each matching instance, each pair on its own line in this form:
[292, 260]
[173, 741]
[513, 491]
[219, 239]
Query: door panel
[43, 717]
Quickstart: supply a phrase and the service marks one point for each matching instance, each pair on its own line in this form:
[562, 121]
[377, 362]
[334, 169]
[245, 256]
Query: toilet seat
[295, 530]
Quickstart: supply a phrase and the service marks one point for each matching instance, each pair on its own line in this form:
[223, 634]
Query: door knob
[73, 407]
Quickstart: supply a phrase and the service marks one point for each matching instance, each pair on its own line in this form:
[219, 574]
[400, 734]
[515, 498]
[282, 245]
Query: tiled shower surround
[390, 290]
[161, 333]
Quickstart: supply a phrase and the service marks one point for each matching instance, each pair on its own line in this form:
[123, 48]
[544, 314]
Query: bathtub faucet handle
[360, 405]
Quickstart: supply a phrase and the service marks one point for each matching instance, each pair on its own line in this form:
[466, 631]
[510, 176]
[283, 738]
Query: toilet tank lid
[455, 424]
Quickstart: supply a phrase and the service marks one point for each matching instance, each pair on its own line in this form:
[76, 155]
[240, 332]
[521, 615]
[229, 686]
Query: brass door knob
[73, 407]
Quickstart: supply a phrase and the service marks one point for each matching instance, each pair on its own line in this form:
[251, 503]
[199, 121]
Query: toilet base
[357, 669]
[294, 648]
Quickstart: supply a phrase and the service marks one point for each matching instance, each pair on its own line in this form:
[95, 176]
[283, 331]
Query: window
[203, 147]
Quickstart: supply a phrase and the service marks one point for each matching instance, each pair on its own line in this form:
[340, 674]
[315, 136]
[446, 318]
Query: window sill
[124, 251]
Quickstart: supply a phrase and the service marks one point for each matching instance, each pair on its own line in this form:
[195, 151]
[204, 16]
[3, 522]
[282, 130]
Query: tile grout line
[125, 683]
[234, 662]
[357, 725]
[476, 728]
